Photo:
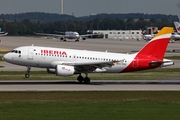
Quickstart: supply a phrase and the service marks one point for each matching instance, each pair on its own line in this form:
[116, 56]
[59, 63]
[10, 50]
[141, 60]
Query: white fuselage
[72, 35]
[46, 57]
[3, 33]
[175, 36]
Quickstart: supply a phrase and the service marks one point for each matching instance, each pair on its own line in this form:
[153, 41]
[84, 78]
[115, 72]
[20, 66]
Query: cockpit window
[12, 51]
[16, 51]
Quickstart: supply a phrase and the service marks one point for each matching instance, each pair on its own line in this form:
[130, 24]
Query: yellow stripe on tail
[165, 30]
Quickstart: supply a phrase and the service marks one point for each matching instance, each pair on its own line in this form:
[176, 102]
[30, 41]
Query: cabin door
[30, 53]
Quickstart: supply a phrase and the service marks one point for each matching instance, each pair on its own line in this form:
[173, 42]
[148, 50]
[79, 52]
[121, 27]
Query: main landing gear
[27, 75]
[86, 80]
[77, 40]
[63, 39]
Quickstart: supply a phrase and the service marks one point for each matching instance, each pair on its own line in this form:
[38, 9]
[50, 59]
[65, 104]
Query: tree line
[51, 17]
[27, 27]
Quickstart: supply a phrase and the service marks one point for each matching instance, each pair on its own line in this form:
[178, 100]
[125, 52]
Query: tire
[86, 80]
[27, 75]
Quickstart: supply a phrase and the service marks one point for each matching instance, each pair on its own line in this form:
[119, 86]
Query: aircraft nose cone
[6, 57]
[77, 36]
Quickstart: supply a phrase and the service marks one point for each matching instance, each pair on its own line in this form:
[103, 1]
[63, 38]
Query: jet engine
[64, 70]
[84, 38]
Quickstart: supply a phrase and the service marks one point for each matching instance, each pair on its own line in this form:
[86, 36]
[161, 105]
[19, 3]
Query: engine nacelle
[64, 70]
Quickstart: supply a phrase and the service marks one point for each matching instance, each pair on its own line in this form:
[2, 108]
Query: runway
[95, 85]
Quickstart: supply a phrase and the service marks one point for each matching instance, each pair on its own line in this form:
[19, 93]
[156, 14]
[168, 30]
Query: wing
[92, 66]
[54, 35]
[85, 66]
[4, 34]
[59, 32]
[167, 62]
[86, 35]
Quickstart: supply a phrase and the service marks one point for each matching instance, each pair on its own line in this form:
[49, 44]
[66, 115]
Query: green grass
[154, 74]
[94, 105]
[173, 57]
[1, 58]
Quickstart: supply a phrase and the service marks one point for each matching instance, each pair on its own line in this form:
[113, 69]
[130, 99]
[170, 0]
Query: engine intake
[64, 70]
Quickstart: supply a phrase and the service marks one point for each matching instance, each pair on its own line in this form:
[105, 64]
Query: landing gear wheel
[27, 75]
[86, 80]
[80, 78]
[76, 40]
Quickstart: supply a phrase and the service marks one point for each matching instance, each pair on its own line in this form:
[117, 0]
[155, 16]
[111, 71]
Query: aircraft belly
[115, 69]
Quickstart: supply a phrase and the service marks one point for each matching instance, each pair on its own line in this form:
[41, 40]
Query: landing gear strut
[86, 80]
[27, 75]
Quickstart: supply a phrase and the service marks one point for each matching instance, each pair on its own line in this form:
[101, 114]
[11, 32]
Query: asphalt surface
[112, 45]
[95, 85]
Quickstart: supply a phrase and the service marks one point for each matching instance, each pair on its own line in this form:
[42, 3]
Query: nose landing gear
[27, 75]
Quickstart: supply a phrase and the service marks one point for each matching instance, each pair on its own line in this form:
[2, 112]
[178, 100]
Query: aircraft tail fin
[177, 26]
[157, 46]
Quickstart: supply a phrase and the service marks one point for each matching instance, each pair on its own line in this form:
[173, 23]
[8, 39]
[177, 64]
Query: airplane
[3, 33]
[147, 36]
[177, 26]
[67, 62]
[176, 35]
[68, 35]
